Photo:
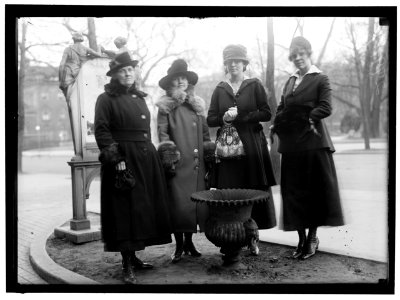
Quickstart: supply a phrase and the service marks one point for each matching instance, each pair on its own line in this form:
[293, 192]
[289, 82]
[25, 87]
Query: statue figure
[119, 42]
[73, 58]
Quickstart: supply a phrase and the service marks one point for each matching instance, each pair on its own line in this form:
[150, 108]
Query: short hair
[300, 42]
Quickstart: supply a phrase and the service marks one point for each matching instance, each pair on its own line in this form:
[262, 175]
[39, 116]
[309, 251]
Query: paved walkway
[44, 202]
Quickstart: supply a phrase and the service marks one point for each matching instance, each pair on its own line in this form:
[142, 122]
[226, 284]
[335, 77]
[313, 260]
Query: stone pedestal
[79, 229]
[84, 165]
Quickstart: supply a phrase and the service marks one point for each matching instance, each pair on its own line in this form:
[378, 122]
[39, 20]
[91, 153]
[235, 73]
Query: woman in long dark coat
[243, 102]
[181, 121]
[134, 198]
[309, 187]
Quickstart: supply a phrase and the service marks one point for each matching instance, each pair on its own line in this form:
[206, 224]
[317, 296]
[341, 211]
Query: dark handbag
[228, 143]
[124, 180]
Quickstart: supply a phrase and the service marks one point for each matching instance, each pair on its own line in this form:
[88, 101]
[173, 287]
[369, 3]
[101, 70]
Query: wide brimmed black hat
[120, 61]
[178, 68]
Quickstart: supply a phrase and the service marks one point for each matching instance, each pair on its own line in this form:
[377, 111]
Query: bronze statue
[73, 58]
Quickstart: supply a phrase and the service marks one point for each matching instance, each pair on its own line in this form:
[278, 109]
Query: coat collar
[313, 69]
[226, 86]
[175, 97]
[114, 89]
[307, 79]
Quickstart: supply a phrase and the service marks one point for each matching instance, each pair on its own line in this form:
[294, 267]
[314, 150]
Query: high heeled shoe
[189, 248]
[140, 265]
[177, 256]
[310, 248]
[299, 250]
[300, 246]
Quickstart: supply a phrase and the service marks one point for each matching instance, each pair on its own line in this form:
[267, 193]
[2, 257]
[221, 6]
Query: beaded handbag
[228, 143]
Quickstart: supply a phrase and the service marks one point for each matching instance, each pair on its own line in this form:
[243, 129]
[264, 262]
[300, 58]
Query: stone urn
[229, 224]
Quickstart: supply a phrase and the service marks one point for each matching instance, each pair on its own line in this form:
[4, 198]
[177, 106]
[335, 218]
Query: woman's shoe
[310, 248]
[298, 252]
[177, 256]
[129, 276]
[140, 265]
[128, 271]
[300, 246]
[189, 248]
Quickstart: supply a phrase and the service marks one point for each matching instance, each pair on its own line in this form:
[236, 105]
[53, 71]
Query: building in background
[46, 114]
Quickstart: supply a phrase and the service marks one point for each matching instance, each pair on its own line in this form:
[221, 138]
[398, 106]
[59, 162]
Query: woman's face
[300, 58]
[235, 67]
[127, 75]
[180, 82]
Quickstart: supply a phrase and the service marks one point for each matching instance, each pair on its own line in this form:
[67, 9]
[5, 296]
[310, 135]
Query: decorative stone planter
[229, 224]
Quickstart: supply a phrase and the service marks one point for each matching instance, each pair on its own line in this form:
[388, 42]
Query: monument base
[78, 236]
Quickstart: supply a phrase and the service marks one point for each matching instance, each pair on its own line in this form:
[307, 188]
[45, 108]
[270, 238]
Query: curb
[50, 271]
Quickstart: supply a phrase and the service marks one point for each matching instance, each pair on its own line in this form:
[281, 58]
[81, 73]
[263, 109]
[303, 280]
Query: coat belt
[131, 135]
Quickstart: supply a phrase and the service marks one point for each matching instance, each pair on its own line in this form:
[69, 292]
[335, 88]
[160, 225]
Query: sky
[208, 36]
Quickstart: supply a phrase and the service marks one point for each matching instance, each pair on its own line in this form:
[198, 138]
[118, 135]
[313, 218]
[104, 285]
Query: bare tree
[371, 69]
[92, 34]
[21, 81]
[321, 54]
[270, 84]
[164, 32]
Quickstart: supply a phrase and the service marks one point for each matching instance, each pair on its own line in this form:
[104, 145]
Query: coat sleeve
[281, 104]
[206, 132]
[263, 112]
[214, 117]
[102, 117]
[163, 127]
[323, 107]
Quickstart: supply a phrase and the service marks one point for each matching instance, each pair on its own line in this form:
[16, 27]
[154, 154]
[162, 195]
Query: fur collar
[114, 89]
[175, 97]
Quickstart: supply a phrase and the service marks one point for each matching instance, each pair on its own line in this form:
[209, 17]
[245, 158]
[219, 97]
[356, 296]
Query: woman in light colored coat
[181, 121]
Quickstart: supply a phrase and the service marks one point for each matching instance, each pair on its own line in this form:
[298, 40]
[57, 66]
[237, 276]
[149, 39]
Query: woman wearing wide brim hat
[181, 124]
[134, 196]
[242, 102]
[178, 68]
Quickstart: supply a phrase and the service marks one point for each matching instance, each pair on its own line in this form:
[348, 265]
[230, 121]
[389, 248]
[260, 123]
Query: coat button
[195, 150]
[143, 117]
[145, 135]
[194, 124]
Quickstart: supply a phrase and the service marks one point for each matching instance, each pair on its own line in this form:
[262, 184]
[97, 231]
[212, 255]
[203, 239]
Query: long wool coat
[309, 186]
[133, 219]
[181, 119]
[255, 169]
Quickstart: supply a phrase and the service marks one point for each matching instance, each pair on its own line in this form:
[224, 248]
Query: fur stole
[115, 89]
[175, 97]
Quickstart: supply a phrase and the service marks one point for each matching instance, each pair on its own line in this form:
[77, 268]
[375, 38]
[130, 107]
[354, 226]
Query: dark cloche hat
[178, 67]
[120, 61]
[238, 52]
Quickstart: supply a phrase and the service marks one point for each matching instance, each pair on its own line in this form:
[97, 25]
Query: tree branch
[345, 85]
[346, 102]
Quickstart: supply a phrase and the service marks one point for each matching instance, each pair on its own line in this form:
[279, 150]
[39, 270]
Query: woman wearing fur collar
[134, 196]
[181, 122]
[243, 102]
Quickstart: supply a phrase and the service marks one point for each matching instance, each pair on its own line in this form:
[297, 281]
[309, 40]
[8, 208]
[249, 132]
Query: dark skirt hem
[136, 245]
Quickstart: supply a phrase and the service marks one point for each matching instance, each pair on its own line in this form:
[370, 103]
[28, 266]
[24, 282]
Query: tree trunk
[92, 34]
[275, 157]
[321, 54]
[365, 96]
[377, 92]
[21, 105]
